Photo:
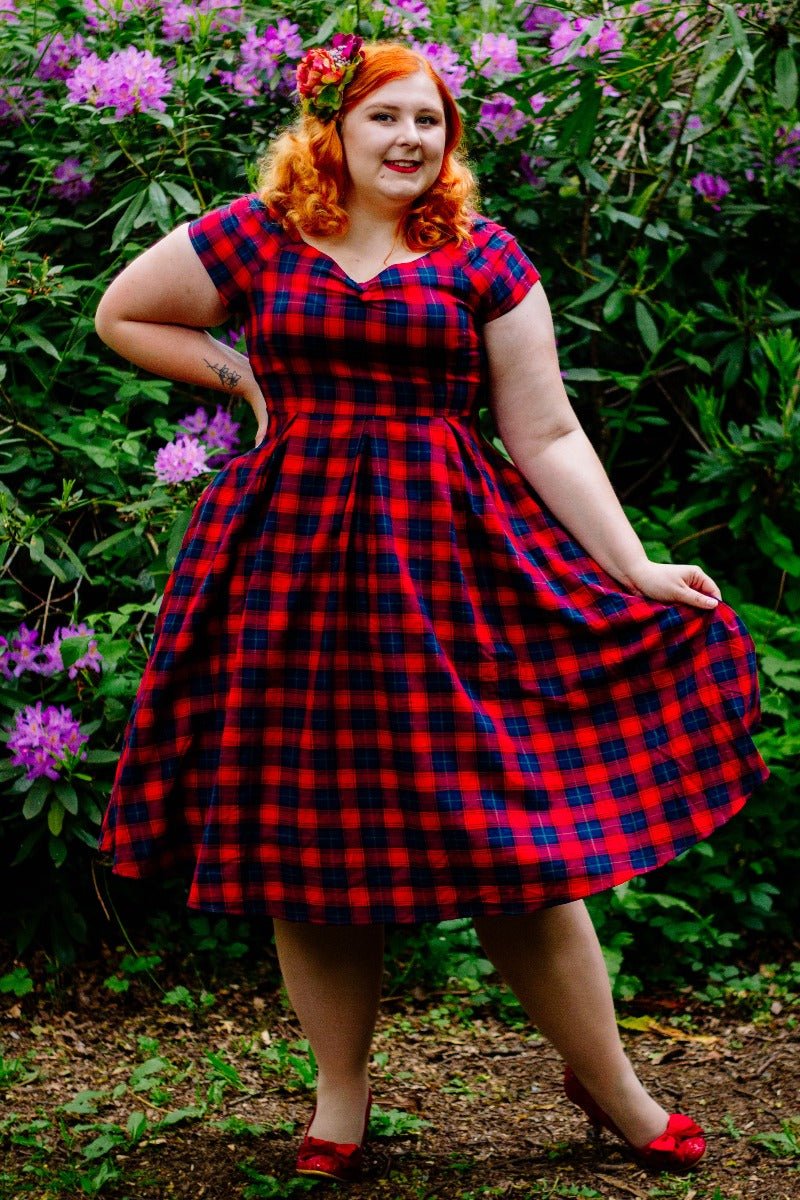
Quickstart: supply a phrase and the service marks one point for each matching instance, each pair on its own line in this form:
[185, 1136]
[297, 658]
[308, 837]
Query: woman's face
[394, 142]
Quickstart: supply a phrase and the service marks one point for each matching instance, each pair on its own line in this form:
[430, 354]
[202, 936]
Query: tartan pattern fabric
[385, 684]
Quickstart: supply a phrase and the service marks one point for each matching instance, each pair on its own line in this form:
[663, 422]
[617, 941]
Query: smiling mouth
[404, 166]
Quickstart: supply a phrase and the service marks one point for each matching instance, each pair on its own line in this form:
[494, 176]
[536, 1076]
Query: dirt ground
[490, 1092]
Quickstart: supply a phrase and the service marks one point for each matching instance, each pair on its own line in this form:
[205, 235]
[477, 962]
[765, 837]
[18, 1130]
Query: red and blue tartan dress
[386, 685]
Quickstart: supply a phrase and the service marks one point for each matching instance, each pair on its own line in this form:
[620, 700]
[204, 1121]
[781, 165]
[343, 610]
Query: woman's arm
[541, 432]
[156, 312]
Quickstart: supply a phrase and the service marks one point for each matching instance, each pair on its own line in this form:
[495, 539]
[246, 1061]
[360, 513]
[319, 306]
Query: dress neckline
[365, 283]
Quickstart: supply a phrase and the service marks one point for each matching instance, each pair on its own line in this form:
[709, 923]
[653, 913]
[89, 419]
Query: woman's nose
[408, 133]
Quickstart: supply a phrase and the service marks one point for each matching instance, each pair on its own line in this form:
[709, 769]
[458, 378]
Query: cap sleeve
[231, 243]
[502, 272]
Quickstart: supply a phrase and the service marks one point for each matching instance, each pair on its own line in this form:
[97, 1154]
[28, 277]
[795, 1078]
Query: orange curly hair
[303, 176]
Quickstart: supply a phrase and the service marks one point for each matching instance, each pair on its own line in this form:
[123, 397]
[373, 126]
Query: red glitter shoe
[679, 1147]
[333, 1160]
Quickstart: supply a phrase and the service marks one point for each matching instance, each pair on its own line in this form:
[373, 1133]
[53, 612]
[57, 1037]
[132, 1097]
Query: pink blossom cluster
[130, 80]
[606, 42]
[220, 434]
[495, 56]
[71, 183]
[42, 741]
[444, 60]
[540, 18]
[500, 118]
[712, 188]
[234, 336]
[8, 12]
[181, 21]
[110, 14]
[529, 168]
[404, 16]
[58, 55]
[22, 652]
[673, 123]
[181, 460]
[262, 57]
[788, 156]
[19, 103]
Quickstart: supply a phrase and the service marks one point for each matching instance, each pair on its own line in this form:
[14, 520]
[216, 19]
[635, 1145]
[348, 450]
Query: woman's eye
[383, 117]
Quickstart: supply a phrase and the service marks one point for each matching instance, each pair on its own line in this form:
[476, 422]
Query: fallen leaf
[650, 1025]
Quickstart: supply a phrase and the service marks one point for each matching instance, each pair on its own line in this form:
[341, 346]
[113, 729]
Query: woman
[396, 678]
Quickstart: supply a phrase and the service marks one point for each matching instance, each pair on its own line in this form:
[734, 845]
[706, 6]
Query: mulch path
[498, 1125]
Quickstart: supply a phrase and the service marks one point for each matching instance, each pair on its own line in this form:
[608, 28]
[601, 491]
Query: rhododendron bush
[647, 155]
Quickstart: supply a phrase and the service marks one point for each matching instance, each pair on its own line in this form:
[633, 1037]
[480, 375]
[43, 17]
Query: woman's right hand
[255, 399]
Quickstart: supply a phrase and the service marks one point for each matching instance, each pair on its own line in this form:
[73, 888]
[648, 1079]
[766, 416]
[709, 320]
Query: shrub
[648, 157]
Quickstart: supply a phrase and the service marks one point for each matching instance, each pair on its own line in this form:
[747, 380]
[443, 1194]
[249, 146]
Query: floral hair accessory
[325, 71]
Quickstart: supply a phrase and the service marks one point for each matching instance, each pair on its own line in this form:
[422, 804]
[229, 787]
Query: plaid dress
[386, 685]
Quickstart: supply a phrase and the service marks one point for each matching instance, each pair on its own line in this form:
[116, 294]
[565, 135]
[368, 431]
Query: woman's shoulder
[487, 243]
[488, 234]
[251, 209]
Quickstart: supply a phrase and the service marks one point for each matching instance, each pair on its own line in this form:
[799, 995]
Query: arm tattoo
[227, 377]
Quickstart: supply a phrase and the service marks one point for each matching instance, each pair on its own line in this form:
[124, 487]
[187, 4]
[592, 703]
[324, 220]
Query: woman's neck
[374, 228]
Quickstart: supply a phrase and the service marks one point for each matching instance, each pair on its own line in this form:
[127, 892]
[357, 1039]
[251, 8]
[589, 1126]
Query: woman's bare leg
[333, 978]
[553, 963]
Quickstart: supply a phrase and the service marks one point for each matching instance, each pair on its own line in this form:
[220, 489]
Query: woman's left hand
[675, 583]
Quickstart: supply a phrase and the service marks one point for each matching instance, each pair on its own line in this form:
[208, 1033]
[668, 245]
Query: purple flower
[219, 436]
[181, 21]
[711, 188]
[672, 124]
[194, 422]
[21, 654]
[404, 16]
[500, 118]
[234, 336]
[529, 168]
[90, 660]
[788, 156]
[682, 23]
[242, 82]
[222, 432]
[444, 60]
[538, 101]
[495, 55]
[19, 103]
[8, 12]
[261, 56]
[57, 55]
[71, 181]
[541, 19]
[129, 81]
[43, 741]
[110, 14]
[605, 43]
[180, 460]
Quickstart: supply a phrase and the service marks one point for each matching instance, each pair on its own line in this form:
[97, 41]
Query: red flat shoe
[342, 1161]
[679, 1147]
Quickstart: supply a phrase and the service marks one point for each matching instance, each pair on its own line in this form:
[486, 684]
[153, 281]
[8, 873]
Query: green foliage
[181, 997]
[18, 982]
[394, 1122]
[785, 1144]
[677, 324]
[291, 1064]
[269, 1187]
[14, 1071]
